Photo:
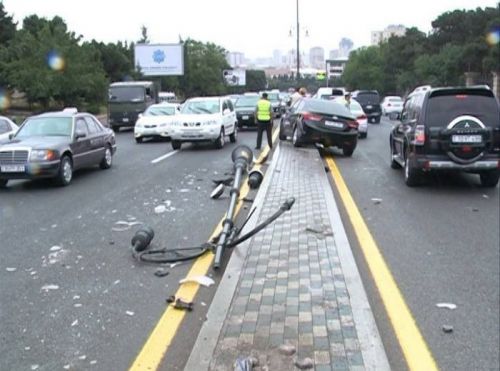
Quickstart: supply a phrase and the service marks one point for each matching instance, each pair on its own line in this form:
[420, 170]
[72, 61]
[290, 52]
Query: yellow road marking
[161, 337]
[415, 349]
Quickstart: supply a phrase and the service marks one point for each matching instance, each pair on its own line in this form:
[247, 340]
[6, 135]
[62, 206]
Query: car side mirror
[227, 111]
[80, 134]
[140, 115]
[11, 136]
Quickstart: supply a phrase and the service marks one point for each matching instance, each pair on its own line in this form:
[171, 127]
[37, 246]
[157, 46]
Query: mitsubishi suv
[448, 129]
[205, 119]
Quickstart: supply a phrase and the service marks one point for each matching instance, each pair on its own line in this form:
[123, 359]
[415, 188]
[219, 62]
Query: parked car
[329, 123]
[7, 128]
[245, 110]
[358, 113]
[448, 129]
[392, 105]
[329, 93]
[156, 121]
[208, 119]
[370, 101]
[54, 145]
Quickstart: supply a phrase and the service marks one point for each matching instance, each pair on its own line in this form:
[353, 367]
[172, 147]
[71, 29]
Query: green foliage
[7, 26]
[456, 45]
[78, 80]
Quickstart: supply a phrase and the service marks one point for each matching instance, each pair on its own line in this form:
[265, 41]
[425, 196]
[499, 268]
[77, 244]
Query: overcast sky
[255, 27]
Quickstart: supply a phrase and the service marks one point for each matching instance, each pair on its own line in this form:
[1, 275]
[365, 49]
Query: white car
[155, 121]
[208, 119]
[357, 112]
[391, 104]
[7, 127]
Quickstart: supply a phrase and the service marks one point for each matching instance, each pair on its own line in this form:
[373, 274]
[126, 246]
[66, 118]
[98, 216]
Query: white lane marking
[161, 158]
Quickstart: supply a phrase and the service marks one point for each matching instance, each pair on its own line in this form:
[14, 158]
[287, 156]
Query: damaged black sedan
[318, 121]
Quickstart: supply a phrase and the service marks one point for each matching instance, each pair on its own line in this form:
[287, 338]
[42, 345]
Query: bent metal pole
[242, 156]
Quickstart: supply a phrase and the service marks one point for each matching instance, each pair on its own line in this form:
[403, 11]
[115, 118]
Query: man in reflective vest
[264, 119]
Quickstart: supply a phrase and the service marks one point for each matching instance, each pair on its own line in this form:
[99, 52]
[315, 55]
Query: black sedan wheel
[107, 160]
[234, 137]
[348, 151]
[282, 134]
[65, 171]
[489, 179]
[3, 183]
[413, 176]
[295, 137]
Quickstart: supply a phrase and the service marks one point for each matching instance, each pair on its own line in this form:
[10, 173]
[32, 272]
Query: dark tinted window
[247, 102]
[326, 107]
[368, 98]
[126, 94]
[441, 110]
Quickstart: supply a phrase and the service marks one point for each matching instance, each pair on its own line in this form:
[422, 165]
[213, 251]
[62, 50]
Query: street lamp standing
[298, 43]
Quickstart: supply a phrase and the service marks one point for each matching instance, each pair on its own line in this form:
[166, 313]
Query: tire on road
[295, 137]
[176, 144]
[234, 136]
[489, 178]
[3, 183]
[65, 174]
[220, 141]
[413, 176]
[107, 160]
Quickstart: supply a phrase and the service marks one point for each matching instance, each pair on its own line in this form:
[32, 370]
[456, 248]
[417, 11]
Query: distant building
[277, 58]
[391, 30]
[235, 59]
[317, 57]
[334, 54]
[336, 66]
[345, 47]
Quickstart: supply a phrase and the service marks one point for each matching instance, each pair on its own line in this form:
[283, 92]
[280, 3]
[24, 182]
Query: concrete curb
[203, 349]
[372, 349]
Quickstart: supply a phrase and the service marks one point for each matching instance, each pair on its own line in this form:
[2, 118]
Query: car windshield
[368, 98]
[46, 126]
[126, 94]
[247, 102]
[326, 107]
[273, 96]
[200, 107]
[441, 110]
[160, 111]
[395, 100]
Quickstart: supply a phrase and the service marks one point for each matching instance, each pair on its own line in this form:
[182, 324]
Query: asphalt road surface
[71, 294]
[441, 242]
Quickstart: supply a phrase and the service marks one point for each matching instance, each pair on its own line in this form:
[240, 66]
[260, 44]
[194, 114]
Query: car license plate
[12, 168]
[369, 106]
[466, 138]
[245, 117]
[125, 119]
[334, 124]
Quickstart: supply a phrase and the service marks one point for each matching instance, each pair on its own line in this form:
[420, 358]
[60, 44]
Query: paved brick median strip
[291, 288]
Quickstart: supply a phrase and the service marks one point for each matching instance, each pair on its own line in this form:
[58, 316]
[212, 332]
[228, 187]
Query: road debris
[245, 364]
[217, 192]
[11, 269]
[376, 201]
[446, 305]
[161, 273]
[122, 225]
[287, 350]
[74, 323]
[447, 329]
[49, 287]
[129, 313]
[202, 280]
[304, 364]
[160, 209]
[179, 303]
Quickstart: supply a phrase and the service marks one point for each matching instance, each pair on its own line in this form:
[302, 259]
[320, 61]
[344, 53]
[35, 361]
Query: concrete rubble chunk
[287, 350]
[304, 364]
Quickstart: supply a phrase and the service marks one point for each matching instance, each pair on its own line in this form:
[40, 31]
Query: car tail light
[466, 149]
[460, 96]
[498, 164]
[352, 124]
[311, 116]
[361, 117]
[420, 135]
[427, 165]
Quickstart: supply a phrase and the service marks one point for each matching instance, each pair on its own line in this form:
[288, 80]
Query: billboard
[160, 59]
[235, 77]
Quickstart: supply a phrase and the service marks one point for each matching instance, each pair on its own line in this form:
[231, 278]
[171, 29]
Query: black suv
[448, 129]
[370, 101]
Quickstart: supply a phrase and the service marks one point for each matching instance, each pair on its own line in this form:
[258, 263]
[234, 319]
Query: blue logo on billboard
[159, 56]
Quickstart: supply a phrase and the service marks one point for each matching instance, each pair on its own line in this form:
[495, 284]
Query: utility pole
[298, 45]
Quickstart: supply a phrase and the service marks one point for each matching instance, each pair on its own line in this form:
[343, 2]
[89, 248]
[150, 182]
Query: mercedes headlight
[42, 155]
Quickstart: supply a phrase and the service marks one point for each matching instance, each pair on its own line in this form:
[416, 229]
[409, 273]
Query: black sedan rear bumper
[247, 119]
[314, 134]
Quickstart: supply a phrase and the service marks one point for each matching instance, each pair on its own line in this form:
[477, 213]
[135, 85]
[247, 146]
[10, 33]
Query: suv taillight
[420, 135]
[311, 116]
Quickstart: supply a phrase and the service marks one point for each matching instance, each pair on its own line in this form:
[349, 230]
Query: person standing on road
[264, 120]
[347, 98]
[300, 93]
